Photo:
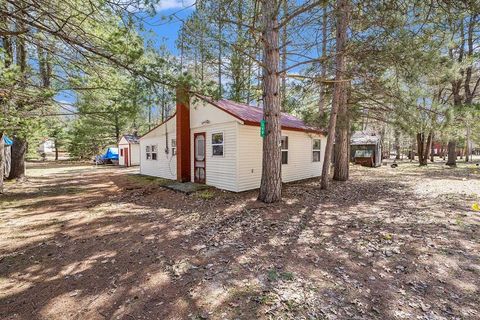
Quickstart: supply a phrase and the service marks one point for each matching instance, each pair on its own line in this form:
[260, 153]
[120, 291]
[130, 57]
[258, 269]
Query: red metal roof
[251, 115]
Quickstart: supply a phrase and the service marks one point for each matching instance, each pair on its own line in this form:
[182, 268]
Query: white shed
[218, 143]
[129, 150]
[46, 146]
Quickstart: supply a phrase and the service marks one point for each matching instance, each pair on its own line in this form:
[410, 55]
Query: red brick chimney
[183, 134]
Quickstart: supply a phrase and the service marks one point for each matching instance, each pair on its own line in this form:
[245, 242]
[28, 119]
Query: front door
[199, 157]
[125, 156]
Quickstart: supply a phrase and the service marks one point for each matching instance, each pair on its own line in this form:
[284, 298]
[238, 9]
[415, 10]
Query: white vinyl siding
[135, 154]
[220, 170]
[166, 164]
[300, 165]
[240, 166]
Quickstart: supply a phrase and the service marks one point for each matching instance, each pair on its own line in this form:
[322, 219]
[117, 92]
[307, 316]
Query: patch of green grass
[267, 299]
[273, 275]
[291, 305]
[459, 222]
[287, 276]
[146, 180]
[206, 194]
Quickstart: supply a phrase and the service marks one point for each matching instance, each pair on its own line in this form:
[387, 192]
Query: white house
[129, 150]
[218, 143]
[46, 146]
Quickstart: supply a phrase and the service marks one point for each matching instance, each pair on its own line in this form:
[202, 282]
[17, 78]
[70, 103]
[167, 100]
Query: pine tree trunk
[421, 148]
[452, 153]
[323, 72]
[2, 162]
[19, 148]
[342, 140]
[467, 146]
[271, 182]
[339, 92]
[220, 47]
[428, 147]
[397, 145]
[432, 152]
[284, 57]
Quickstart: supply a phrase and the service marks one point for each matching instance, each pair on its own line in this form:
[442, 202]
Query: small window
[151, 152]
[121, 152]
[174, 147]
[317, 145]
[284, 150]
[148, 153]
[154, 152]
[217, 144]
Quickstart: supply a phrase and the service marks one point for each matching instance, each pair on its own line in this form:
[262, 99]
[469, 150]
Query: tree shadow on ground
[365, 249]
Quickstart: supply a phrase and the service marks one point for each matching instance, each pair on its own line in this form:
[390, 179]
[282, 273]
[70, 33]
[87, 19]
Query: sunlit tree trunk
[2, 161]
[284, 56]
[19, 148]
[339, 92]
[271, 182]
[342, 140]
[397, 145]
[323, 72]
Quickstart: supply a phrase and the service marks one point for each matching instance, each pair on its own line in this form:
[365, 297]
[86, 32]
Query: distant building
[47, 146]
[366, 148]
[129, 150]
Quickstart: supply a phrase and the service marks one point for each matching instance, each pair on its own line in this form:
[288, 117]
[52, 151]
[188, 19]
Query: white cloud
[174, 4]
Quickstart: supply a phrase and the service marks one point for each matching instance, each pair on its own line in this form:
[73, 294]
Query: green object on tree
[263, 132]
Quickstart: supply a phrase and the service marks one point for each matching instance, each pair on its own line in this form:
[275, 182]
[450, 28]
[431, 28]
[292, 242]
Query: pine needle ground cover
[392, 243]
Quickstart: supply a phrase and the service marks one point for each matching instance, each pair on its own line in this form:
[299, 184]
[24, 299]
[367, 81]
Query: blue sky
[164, 26]
[161, 29]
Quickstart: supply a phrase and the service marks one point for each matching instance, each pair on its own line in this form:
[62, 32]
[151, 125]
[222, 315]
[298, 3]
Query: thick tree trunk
[420, 148]
[220, 47]
[271, 182]
[423, 148]
[284, 57]
[397, 145]
[342, 140]
[452, 153]
[428, 148]
[323, 72]
[339, 92]
[2, 161]
[19, 148]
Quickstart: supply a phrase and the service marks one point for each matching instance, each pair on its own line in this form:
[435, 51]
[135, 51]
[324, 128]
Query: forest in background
[407, 69]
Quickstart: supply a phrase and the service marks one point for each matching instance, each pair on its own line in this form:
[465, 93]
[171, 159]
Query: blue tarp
[7, 141]
[111, 154]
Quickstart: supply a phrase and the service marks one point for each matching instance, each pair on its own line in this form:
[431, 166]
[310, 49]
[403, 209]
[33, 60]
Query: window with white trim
[316, 148]
[284, 150]
[217, 144]
[174, 147]
[151, 152]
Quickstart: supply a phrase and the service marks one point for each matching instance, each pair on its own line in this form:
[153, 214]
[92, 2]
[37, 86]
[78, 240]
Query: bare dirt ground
[79, 242]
